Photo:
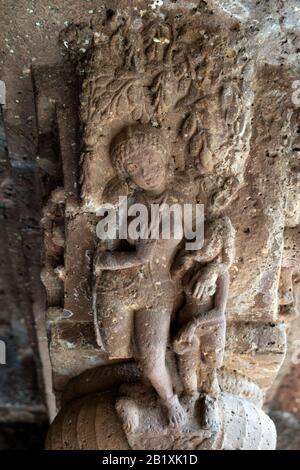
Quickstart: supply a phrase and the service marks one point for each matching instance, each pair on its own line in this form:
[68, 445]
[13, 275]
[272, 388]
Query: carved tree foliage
[144, 73]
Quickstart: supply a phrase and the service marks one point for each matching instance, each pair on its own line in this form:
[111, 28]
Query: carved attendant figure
[135, 287]
[200, 342]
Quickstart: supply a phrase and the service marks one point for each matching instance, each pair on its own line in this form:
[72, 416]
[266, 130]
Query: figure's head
[141, 155]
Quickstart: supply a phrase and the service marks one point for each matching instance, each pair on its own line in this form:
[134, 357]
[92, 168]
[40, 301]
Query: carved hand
[204, 284]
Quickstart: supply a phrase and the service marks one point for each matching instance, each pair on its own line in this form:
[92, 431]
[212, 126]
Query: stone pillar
[178, 104]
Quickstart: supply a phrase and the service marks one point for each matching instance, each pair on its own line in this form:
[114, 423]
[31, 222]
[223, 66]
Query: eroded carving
[289, 291]
[200, 342]
[134, 312]
[164, 123]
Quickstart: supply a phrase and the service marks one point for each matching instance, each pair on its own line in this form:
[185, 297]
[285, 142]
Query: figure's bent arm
[117, 260]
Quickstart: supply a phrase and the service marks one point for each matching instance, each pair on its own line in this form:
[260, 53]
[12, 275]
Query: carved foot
[189, 400]
[177, 415]
[210, 414]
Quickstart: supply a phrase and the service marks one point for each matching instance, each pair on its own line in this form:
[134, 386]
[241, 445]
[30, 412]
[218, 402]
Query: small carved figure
[200, 342]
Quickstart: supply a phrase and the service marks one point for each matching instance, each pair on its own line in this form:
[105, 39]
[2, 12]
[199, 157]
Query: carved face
[147, 169]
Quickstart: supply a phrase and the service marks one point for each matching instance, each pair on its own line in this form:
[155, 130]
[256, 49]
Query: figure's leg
[212, 356]
[188, 363]
[208, 379]
[151, 338]
[115, 321]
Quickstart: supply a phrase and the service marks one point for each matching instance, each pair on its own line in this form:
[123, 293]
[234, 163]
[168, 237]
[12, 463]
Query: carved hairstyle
[135, 140]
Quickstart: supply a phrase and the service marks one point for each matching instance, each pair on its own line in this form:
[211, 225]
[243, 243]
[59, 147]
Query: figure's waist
[135, 278]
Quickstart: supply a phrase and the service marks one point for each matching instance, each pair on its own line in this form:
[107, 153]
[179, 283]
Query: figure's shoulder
[114, 190]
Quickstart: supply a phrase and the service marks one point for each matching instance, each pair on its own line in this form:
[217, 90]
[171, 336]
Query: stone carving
[52, 274]
[90, 398]
[159, 73]
[292, 209]
[202, 319]
[74, 428]
[137, 293]
[199, 344]
[166, 110]
[148, 428]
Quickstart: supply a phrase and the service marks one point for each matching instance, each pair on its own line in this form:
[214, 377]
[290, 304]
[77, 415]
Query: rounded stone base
[88, 423]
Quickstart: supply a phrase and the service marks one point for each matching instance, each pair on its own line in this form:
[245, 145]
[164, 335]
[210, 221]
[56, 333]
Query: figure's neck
[156, 192]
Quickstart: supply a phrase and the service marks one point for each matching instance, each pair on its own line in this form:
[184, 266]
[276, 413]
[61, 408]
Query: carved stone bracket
[171, 110]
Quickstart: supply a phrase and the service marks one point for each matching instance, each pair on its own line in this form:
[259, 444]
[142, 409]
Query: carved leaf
[201, 153]
[115, 42]
[191, 97]
[103, 80]
[156, 83]
[137, 114]
[164, 89]
[230, 103]
[189, 126]
[121, 95]
[151, 52]
[196, 144]
[115, 85]
[206, 159]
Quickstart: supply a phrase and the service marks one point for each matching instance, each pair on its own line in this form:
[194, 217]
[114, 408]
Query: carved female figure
[136, 292]
[289, 289]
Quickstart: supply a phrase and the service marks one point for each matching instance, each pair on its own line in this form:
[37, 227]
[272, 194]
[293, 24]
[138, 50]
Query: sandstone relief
[178, 345]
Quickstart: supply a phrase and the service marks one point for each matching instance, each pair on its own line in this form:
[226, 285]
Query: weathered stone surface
[88, 425]
[204, 94]
[92, 424]
[271, 28]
